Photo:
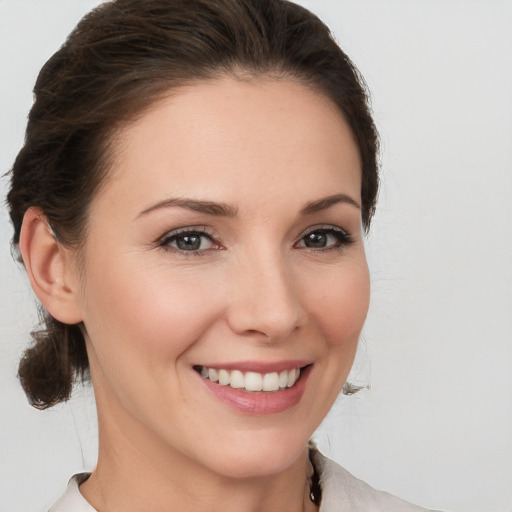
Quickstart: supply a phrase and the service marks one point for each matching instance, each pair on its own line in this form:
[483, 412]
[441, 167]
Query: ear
[50, 268]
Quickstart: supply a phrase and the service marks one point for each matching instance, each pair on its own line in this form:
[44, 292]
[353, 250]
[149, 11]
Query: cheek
[341, 305]
[146, 314]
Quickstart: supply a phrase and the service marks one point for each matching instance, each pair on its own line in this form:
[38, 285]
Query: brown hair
[120, 58]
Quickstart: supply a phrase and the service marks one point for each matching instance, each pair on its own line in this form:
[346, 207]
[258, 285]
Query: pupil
[189, 242]
[316, 240]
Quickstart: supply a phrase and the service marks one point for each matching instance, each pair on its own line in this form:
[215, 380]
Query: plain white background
[436, 425]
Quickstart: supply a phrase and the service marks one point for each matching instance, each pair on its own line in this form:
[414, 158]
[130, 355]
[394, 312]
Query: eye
[325, 239]
[189, 240]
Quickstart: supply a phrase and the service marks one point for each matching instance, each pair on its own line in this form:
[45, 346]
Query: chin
[260, 456]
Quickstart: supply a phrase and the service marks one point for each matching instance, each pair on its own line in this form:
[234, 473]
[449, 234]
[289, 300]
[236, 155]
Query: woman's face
[226, 244]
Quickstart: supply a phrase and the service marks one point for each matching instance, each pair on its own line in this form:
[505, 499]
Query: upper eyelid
[212, 233]
[325, 227]
[202, 230]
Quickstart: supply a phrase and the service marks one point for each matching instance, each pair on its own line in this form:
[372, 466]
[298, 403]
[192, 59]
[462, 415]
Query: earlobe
[48, 267]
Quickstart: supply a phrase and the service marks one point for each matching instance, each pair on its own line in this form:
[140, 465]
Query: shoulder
[342, 491]
[72, 500]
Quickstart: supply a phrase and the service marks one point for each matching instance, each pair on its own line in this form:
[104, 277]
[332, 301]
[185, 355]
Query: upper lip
[260, 366]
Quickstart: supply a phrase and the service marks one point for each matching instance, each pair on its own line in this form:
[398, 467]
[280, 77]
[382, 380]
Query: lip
[260, 402]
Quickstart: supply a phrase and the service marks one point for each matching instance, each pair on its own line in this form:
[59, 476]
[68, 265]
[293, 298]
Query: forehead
[228, 139]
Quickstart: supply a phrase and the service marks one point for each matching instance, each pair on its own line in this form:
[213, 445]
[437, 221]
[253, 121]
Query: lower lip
[260, 402]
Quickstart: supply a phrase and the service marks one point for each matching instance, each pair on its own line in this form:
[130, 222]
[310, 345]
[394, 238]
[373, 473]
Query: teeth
[223, 377]
[271, 382]
[292, 377]
[283, 379]
[252, 381]
[237, 379]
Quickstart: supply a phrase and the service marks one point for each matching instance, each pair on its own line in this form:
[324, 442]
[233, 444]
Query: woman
[190, 206]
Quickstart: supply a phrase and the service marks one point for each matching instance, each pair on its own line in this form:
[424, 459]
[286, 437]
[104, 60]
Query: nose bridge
[265, 299]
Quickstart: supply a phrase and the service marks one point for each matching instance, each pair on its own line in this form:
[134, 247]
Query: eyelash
[202, 232]
[342, 237]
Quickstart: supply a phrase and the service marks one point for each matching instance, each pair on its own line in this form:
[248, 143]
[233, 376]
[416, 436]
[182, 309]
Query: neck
[136, 473]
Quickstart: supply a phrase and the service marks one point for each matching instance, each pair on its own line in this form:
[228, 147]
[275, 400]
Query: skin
[253, 292]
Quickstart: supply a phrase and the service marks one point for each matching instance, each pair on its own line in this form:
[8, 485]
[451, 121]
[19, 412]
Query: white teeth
[237, 379]
[292, 377]
[223, 377]
[283, 379]
[271, 382]
[252, 381]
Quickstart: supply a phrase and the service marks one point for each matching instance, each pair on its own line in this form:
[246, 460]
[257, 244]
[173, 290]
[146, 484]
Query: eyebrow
[226, 210]
[208, 207]
[327, 202]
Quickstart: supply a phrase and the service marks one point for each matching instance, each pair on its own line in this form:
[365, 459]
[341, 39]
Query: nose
[265, 300]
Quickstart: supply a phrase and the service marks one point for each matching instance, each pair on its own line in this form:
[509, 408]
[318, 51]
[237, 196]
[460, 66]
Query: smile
[251, 381]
